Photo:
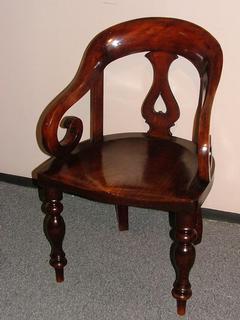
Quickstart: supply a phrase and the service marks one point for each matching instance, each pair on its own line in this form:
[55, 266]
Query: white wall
[41, 45]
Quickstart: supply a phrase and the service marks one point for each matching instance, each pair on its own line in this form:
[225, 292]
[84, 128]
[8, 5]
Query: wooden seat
[125, 166]
[153, 169]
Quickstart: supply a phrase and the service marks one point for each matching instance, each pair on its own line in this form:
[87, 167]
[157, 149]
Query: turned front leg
[54, 228]
[183, 258]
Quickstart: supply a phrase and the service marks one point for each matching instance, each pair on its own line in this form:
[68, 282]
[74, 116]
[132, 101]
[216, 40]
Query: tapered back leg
[122, 217]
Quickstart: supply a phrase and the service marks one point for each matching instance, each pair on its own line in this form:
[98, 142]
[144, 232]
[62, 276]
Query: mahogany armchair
[168, 173]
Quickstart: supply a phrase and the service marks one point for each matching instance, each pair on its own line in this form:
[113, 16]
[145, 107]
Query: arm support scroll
[53, 119]
[89, 71]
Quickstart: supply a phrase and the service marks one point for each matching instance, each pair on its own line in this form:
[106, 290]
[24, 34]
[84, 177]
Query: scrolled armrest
[205, 160]
[90, 68]
[204, 138]
[210, 76]
[53, 119]
[73, 135]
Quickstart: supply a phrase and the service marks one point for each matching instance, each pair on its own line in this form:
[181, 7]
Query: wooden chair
[153, 169]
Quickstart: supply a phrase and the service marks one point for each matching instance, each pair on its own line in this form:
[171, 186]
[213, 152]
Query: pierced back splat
[160, 122]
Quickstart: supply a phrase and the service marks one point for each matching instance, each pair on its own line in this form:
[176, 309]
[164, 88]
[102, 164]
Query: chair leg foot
[54, 229]
[181, 307]
[59, 275]
[183, 256]
[122, 217]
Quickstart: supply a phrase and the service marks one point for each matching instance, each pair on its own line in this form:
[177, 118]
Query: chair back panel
[163, 39]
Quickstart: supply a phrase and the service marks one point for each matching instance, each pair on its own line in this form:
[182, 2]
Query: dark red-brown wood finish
[153, 169]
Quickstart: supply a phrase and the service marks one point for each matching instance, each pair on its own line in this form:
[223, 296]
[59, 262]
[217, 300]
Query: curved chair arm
[204, 144]
[209, 83]
[89, 70]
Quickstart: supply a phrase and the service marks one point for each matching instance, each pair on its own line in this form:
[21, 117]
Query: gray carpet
[110, 275]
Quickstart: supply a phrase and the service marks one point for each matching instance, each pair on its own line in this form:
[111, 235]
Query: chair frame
[163, 39]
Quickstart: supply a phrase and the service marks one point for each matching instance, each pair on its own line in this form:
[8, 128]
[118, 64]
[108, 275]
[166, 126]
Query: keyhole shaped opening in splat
[160, 105]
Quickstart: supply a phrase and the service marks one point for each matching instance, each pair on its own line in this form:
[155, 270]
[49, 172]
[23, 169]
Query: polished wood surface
[160, 122]
[131, 169]
[152, 169]
[54, 228]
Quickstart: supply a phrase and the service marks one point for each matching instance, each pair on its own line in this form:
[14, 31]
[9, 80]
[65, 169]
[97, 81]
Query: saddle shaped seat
[152, 169]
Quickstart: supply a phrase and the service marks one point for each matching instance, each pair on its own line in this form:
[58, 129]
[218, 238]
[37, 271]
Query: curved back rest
[153, 34]
[163, 39]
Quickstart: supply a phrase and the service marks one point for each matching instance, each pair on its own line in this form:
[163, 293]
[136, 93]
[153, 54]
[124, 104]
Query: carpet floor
[110, 275]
